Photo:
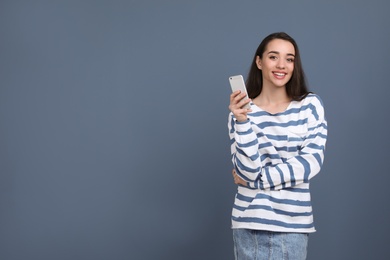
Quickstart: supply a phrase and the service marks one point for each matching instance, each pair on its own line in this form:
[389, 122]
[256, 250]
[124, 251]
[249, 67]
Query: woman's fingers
[237, 179]
[237, 97]
[237, 101]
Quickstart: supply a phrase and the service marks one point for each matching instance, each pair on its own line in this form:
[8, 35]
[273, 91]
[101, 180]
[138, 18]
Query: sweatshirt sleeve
[288, 173]
[244, 150]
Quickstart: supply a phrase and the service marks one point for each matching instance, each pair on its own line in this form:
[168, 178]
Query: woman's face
[277, 63]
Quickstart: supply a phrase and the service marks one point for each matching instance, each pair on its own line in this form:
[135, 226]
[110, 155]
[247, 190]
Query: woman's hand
[237, 179]
[237, 101]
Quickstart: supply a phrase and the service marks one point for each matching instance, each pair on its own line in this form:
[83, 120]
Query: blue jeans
[266, 245]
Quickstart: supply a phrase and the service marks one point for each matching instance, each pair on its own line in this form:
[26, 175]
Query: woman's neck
[272, 96]
[273, 100]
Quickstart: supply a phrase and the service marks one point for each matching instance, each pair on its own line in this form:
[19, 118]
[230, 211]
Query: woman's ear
[258, 62]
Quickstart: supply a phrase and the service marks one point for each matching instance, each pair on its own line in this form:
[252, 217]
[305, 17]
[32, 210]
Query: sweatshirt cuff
[243, 126]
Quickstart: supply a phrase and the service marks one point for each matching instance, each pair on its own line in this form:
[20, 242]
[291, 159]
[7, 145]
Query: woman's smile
[279, 75]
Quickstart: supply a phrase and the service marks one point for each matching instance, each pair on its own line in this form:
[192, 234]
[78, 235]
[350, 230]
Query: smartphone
[237, 83]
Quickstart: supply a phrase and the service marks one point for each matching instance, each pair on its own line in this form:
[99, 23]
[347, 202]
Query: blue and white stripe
[277, 155]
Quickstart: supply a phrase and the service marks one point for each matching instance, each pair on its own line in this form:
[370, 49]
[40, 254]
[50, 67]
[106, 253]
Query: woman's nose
[280, 64]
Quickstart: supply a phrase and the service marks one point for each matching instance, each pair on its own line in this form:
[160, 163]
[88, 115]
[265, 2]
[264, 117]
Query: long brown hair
[296, 87]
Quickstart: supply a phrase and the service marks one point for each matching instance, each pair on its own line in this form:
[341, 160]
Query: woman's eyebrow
[276, 52]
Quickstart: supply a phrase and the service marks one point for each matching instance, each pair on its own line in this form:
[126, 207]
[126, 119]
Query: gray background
[113, 125]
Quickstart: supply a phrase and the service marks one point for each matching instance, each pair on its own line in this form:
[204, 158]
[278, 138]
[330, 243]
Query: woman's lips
[279, 75]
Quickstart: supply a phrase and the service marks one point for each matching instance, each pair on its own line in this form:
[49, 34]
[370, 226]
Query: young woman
[277, 146]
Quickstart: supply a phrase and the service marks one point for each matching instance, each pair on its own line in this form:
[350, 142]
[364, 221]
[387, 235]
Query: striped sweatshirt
[277, 155]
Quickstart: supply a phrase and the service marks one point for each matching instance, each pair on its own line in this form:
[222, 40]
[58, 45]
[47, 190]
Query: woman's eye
[290, 60]
[272, 57]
